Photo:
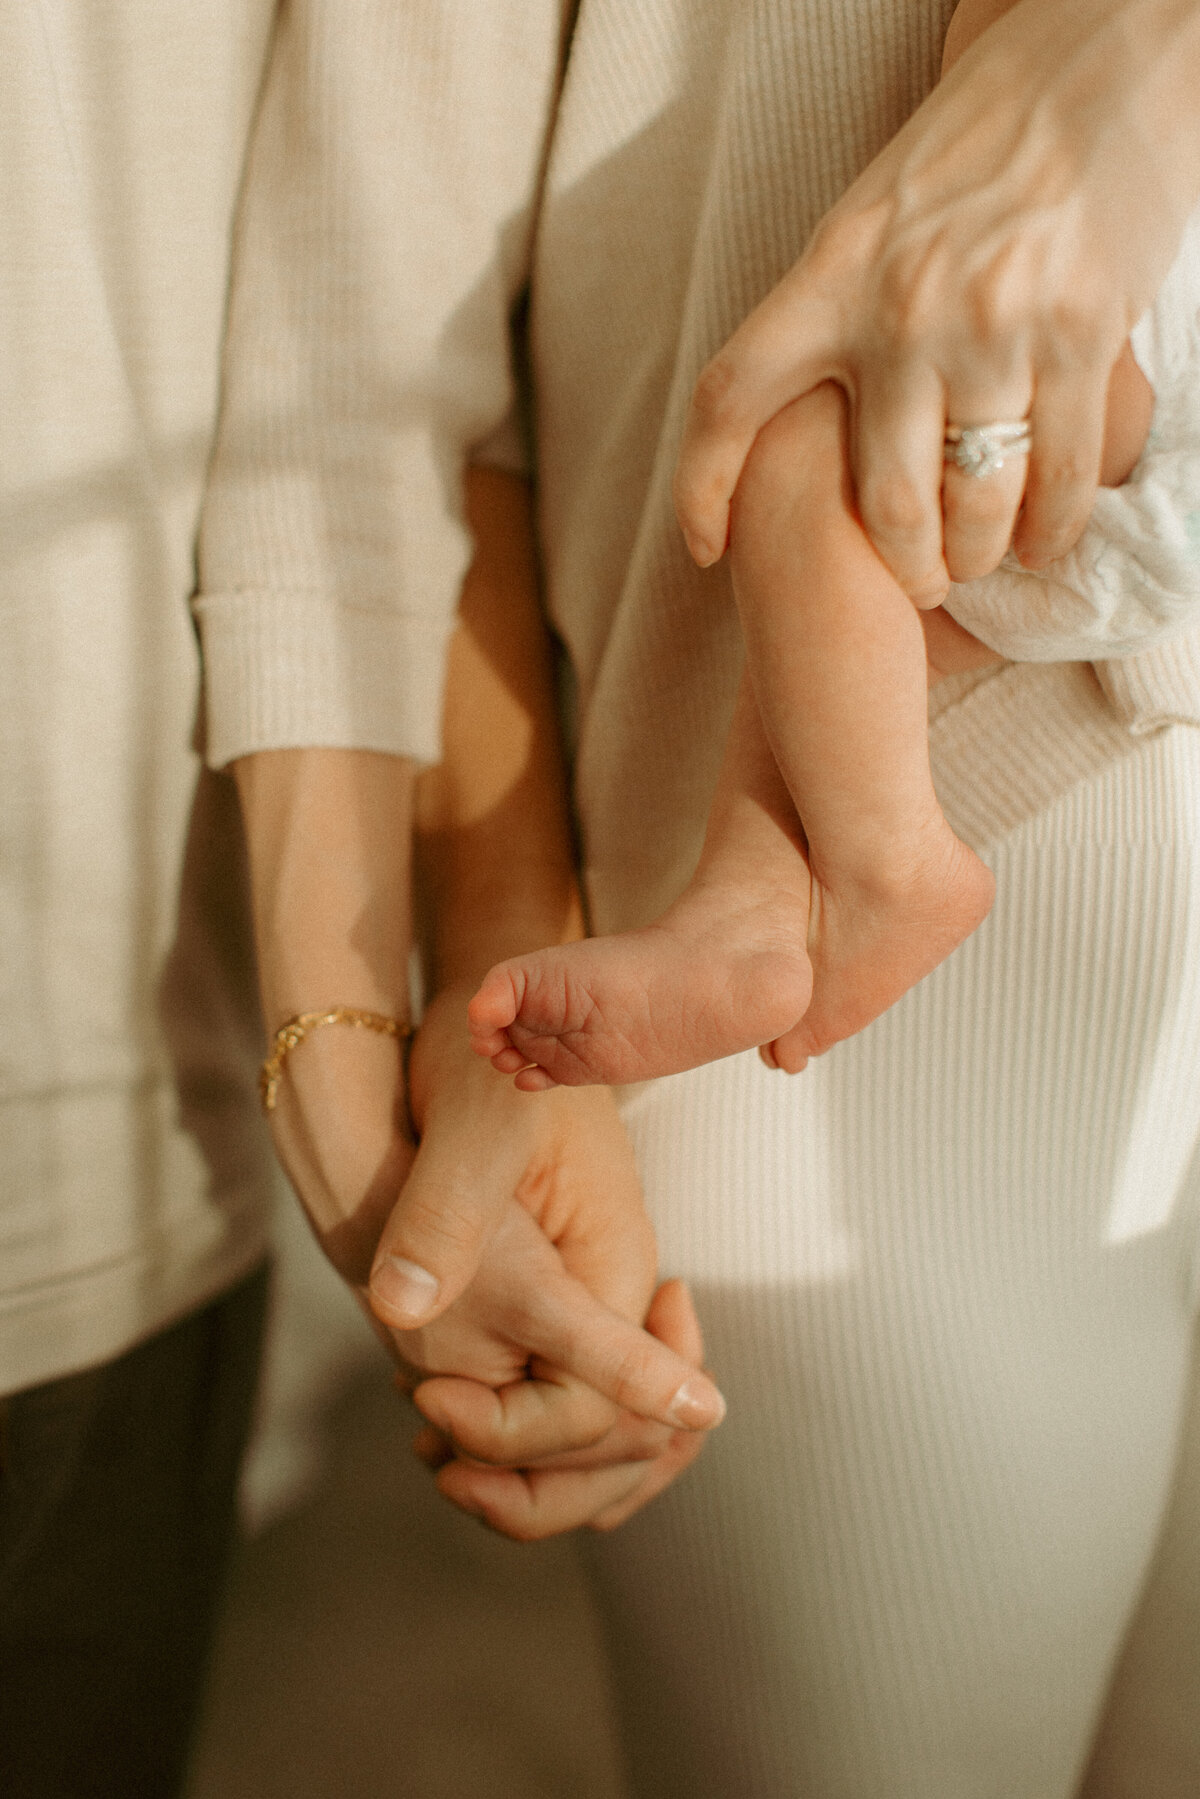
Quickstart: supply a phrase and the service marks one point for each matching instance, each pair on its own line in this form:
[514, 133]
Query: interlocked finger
[516, 1424]
[533, 1505]
[682, 1449]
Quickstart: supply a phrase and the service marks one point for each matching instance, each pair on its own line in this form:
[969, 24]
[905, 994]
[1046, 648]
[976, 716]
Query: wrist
[328, 840]
[481, 911]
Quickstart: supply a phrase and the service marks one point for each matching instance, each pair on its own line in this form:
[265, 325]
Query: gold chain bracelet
[292, 1033]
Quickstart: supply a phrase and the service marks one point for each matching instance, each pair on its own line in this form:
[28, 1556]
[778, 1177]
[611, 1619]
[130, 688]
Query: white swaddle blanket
[1136, 569]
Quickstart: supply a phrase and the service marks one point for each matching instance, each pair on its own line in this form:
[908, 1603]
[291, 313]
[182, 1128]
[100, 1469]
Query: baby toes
[493, 1008]
[534, 1080]
[787, 1053]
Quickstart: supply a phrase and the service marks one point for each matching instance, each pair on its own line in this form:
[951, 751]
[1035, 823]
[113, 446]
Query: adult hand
[540, 1194]
[540, 1364]
[987, 265]
[598, 1486]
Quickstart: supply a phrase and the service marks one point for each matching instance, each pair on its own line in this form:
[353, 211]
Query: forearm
[494, 840]
[328, 835]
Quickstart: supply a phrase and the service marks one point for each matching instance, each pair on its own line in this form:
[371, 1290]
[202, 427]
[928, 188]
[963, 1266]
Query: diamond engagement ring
[981, 450]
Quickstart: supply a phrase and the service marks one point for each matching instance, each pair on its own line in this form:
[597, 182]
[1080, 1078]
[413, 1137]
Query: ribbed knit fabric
[383, 236]
[947, 1281]
[135, 1171]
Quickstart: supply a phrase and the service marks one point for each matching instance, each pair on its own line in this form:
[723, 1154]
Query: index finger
[778, 353]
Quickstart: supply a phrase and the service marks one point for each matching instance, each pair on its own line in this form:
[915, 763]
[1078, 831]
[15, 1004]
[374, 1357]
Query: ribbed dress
[948, 1275]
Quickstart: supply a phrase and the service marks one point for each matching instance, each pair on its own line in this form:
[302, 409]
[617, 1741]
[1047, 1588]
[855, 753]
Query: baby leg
[836, 653]
[837, 658]
[724, 969]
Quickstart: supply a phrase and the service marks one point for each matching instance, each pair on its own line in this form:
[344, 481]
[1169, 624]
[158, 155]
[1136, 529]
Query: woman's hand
[987, 265]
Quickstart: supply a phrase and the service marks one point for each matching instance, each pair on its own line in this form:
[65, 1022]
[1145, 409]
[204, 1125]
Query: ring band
[980, 450]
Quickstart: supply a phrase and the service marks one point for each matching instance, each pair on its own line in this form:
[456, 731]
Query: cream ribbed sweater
[675, 167]
[134, 1171]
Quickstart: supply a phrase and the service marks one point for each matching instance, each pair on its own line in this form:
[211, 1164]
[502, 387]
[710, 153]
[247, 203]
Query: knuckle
[714, 398]
[446, 1218]
[893, 509]
[847, 239]
[982, 514]
[995, 299]
[631, 1375]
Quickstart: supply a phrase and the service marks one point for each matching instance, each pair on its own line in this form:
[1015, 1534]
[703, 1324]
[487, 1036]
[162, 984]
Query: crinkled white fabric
[1134, 575]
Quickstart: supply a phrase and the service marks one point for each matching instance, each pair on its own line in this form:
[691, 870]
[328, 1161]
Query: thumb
[432, 1243]
[784, 348]
[671, 1317]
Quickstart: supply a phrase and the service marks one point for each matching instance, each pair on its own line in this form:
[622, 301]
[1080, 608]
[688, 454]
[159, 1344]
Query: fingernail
[696, 1406]
[701, 552]
[407, 1291]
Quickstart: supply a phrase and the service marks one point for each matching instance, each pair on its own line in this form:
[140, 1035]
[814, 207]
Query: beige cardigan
[652, 173]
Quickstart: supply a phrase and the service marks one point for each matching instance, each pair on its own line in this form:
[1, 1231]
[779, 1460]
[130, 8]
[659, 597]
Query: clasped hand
[548, 1405]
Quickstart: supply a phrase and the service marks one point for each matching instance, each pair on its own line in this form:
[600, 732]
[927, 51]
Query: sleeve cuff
[1157, 688]
[293, 671]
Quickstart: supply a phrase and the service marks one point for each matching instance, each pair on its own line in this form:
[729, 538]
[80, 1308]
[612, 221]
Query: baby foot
[723, 970]
[871, 940]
